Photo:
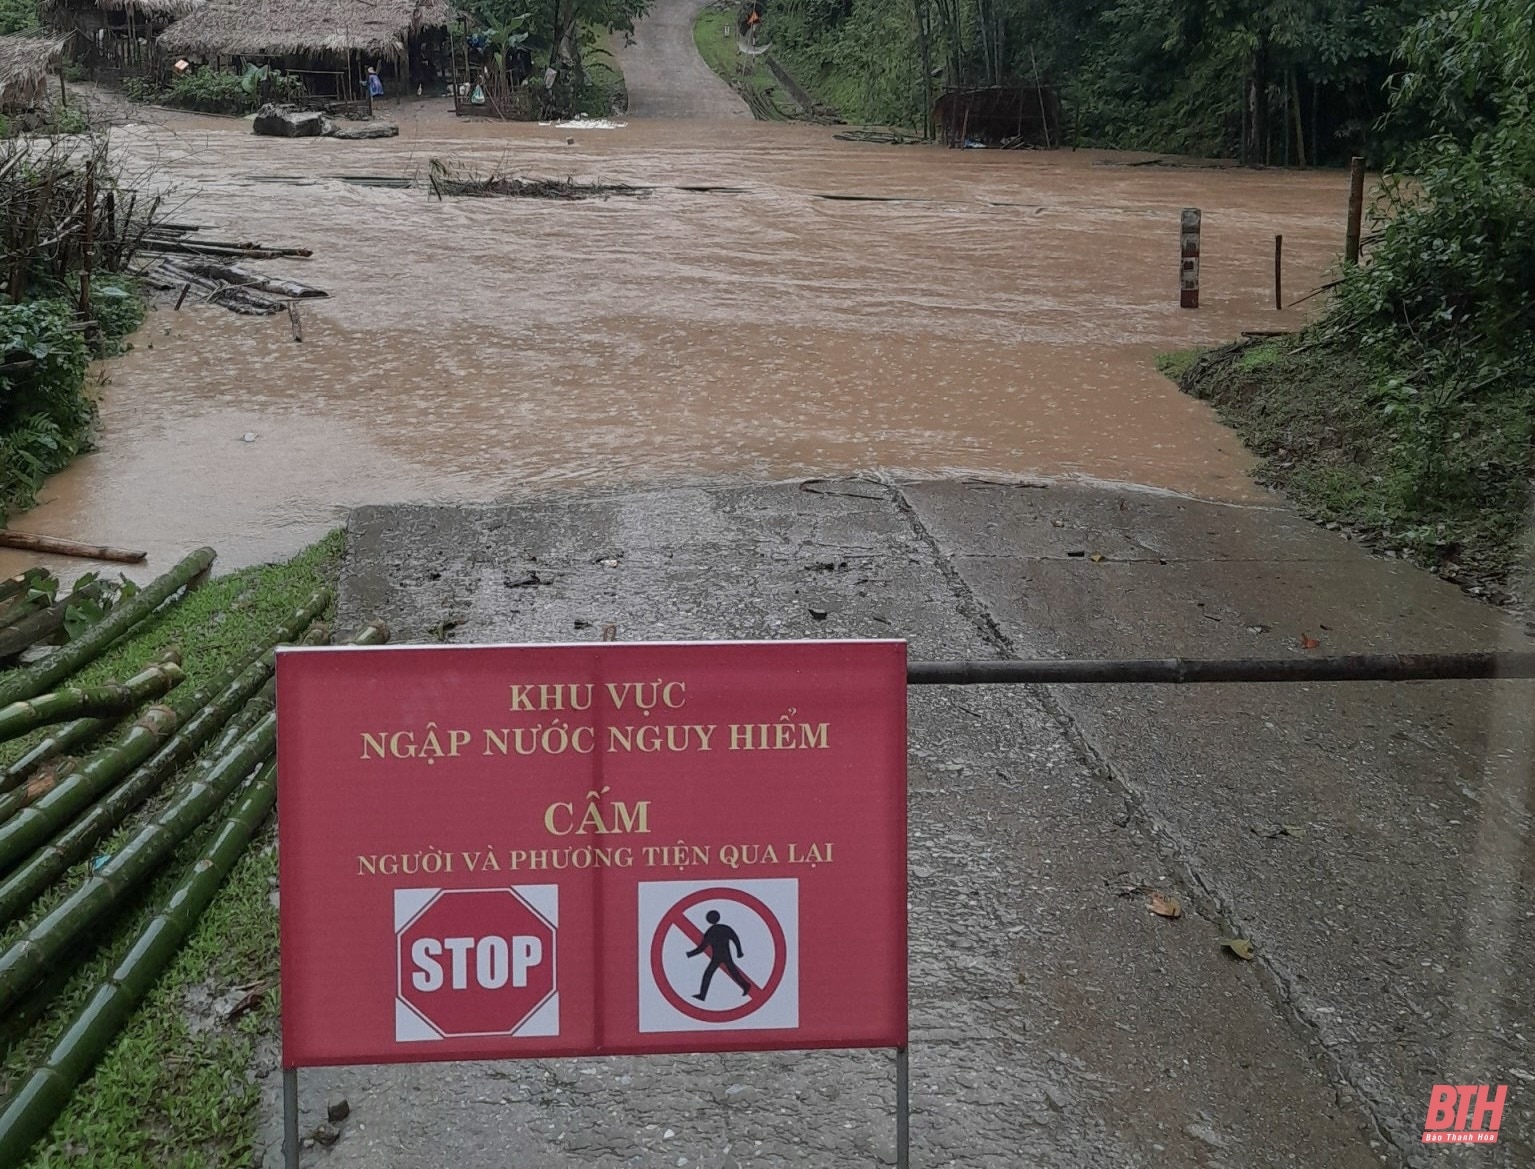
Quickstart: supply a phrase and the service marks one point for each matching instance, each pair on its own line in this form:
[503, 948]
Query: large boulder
[287, 122]
[371, 130]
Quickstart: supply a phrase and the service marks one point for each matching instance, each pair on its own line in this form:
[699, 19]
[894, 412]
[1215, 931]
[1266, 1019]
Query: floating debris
[452, 179]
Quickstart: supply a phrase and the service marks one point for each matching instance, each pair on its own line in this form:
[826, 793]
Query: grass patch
[1424, 474]
[1174, 365]
[714, 32]
[173, 1091]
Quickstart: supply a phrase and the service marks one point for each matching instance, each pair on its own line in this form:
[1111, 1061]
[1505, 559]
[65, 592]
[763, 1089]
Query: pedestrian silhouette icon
[717, 941]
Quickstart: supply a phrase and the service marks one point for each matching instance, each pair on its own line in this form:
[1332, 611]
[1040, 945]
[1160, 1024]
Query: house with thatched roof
[24, 64]
[116, 36]
[315, 38]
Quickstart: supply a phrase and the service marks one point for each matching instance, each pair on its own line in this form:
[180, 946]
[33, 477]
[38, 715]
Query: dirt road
[666, 76]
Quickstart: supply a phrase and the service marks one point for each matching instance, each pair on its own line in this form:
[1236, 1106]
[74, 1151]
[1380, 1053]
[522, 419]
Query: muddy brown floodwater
[998, 316]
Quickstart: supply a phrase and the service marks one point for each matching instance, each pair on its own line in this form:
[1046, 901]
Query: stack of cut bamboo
[81, 781]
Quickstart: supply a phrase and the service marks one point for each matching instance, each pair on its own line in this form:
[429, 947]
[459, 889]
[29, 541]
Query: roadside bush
[219, 91]
[116, 306]
[45, 417]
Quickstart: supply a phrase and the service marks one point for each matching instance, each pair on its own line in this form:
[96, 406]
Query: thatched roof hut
[278, 28]
[24, 63]
[152, 12]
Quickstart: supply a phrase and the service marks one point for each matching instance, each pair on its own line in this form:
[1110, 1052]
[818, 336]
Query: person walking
[375, 88]
[718, 940]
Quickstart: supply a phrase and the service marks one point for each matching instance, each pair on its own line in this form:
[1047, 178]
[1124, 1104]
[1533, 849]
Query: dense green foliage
[520, 40]
[218, 91]
[1408, 410]
[45, 417]
[1445, 309]
[18, 16]
[1169, 75]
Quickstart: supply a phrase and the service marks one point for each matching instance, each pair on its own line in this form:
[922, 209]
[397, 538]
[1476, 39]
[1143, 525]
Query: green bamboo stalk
[71, 921]
[23, 886]
[37, 1103]
[29, 682]
[44, 621]
[113, 698]
[64, 739]
[39, 810]
[16, 600]
[22, 582]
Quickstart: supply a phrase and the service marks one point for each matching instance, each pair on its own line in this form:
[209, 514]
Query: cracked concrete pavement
[1372, 840]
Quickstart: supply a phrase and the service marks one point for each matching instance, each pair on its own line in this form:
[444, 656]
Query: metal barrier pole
[290, 1118]
[1352, 668]
[902, 1111]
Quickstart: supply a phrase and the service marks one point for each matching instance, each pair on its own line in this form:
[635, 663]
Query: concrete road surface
[1372, 840]
[666, 76]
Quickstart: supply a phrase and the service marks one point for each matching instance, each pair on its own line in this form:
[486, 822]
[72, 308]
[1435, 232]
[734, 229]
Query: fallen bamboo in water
[178, 247]
[115, 698]
[72, 919]
[33, 542]
[35, 679]
[44, 1094]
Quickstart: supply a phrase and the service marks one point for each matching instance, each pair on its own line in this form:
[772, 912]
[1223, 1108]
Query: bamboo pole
[45, 1093]
[21, 583]
[48, 802]
[114, 698]
[33, 542]
[62, 740]
[209, 785]
[41, 624]
[23, 886]
[34, 680]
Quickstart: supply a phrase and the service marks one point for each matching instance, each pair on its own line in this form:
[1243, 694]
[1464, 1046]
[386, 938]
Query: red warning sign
[510, 851]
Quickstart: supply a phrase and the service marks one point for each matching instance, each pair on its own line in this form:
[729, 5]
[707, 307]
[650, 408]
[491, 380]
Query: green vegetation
[1163, 75]
[174, 1089]
[1408, 410]
[46, 413]
[521, 39]
[218, 91]
[18, 16]
[715, 34]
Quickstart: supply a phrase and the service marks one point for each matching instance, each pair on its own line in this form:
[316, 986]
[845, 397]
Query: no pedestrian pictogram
[718, 956]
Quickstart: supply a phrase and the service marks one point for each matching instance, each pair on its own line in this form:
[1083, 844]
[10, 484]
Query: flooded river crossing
[975, 312]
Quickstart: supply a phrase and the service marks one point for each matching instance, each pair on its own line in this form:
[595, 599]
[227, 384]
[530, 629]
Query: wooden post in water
[1188, 276]
[1279, 273]
[1355, 212]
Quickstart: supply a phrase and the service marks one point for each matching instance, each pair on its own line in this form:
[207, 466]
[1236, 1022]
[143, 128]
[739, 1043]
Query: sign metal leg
[902, 1111]
[290, 1118]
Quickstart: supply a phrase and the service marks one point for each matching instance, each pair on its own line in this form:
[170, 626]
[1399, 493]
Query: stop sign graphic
[476, 962]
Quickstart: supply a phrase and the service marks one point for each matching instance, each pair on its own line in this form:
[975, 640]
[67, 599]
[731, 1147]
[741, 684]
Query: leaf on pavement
[1241, 947]
[1308, 642]
[1164, 905]
[1097, 558]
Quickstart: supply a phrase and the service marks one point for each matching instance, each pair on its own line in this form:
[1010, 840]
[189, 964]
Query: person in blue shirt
[375, 85]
